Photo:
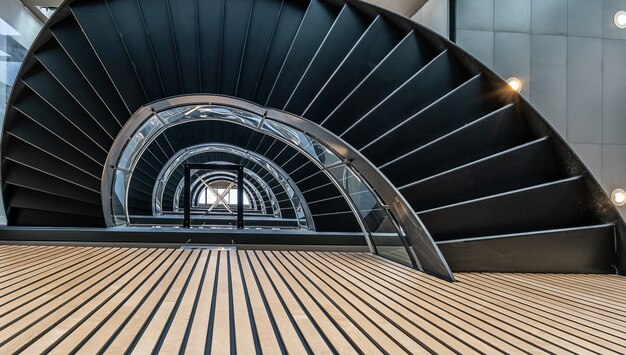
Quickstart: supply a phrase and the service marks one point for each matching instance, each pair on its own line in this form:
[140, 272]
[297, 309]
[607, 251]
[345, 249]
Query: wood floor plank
[564, 305]
[107, 330]
[307, 325]
[563, 298]
[50, 274]
[554, 328]
[31, 271]
[544, 308]
[175, 336]
[86, 300]
[129, 332]
[102, 303]
[27, 298]
[221, 326]
[23, 257]
[269, 340]
[199, 327]
[437, 327]
[338, 340]
[373, 323]
[450, 301]
[149, 338]
[14, 252]
[244, 333]
[430, 337]
[287, 328]
[358, 335]
[69, 302]
[592, 300]
[21, 319]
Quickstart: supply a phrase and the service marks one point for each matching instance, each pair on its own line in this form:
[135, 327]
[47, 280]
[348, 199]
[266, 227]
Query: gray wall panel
[591, 155]
[577, 70]
[478, 43]
[549, 17]
[584, 18]
[613, 166]
[610, 8]
[548, 78]
[584, 90]
[512, 16]
[512, 57]
[435, 14]
[614, 129]
[475, 15]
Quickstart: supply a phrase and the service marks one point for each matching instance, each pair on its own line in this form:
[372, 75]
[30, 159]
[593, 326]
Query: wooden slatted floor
[113, 300]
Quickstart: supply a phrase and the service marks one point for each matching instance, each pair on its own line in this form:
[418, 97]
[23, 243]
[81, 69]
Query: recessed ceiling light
[7, 30]
[514, 83]
[620, 19]
[618, 197]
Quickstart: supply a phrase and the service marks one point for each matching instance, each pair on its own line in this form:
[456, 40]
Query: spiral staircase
[494, 186]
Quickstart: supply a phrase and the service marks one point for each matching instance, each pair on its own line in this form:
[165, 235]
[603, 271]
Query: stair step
[526, 165]
[237, 15]
[291, 15]
[46, 86]
[377, 41]
[495, 132]
[137, 44]
[463, 105]
[587, 249]
[442, 75]
[39, 218]
[32, 106]
[20, 197]
[317, 21]
[406, 59]
[98, 25]
[75, 44]
[26, 130]
[56, 61]
[26, 154]
[26, 177]
[264, 21]
[558, 204]
[349, 26]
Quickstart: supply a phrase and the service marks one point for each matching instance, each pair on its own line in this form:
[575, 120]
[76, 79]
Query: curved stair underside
[495, 186]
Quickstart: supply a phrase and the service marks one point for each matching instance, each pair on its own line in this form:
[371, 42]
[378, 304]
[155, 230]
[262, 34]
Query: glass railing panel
[382, 228]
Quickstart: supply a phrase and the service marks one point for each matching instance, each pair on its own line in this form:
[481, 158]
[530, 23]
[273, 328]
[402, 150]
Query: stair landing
[90, 299]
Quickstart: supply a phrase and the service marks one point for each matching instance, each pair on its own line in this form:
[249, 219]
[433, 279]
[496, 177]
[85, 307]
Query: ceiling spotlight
[620, 19]
[618, 197]
[514, 83]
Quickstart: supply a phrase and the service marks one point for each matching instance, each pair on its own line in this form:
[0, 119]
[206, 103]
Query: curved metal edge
[425, 252]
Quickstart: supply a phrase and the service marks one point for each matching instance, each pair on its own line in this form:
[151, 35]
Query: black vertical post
[452, 20]
[187, 197]
[240, 197]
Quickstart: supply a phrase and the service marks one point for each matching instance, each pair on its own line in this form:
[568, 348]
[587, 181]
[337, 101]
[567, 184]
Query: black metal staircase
[494, 185]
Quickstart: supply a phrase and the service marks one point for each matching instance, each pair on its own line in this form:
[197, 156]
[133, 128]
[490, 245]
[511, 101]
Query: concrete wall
[434, 14]
[571, 59]
[20, 19]
[430, 13]
[403, 7]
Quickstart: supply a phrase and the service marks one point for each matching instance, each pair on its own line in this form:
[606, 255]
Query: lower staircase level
[63, 299]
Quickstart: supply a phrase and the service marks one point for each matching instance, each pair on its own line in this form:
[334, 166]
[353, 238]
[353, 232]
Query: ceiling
[35, 6]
